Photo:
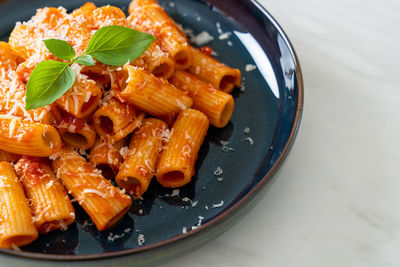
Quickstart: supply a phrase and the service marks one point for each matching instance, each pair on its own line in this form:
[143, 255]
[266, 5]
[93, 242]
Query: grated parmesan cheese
[148, 165]
[186, 150]
[141, 239]
[201, 38]
[250, 67]
[249, 139]
[201, 218]
[124, 151]
[111, 237]
[218, 171]
[226, 147]
[186, 199]
[175, 192]
[12, 128]
[93, 191]
[49, 184]
[219, 27]
[218, 205]
[225, 35]
[180, 104]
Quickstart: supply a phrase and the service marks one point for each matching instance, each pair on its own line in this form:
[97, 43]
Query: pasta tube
[7, 58]
[77, 132]
[108, 15]
[106, 156]
[85, 10]
[149, 17]
[23, 40]
[114, 120]
[12, 101]
[99, 74]
[156, 61]
[50, 204]
[9, 157]
[151, 94]
[140, 164]
[212, 71]
[176, 165]
[28, 138]
[216, 104]
[82, 99]
[12, 91]
[16, 226]
[103, 202]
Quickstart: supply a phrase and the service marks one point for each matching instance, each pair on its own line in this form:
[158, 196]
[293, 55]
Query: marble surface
[336, 201]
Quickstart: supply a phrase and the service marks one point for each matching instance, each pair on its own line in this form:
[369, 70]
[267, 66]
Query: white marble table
[337, 200]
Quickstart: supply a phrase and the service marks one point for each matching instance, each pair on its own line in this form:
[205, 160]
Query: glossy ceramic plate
[248, 151]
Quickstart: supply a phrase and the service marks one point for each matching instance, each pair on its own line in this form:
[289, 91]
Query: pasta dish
[80, 121]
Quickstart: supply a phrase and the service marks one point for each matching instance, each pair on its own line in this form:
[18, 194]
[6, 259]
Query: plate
[248, 151]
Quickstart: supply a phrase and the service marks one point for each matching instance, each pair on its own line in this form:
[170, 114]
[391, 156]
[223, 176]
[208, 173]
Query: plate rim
[228, 212]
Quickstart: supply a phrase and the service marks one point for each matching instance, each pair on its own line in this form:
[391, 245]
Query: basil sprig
[111, 45]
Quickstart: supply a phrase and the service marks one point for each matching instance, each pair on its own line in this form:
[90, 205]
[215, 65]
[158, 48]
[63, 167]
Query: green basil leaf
[85, 60]
[48, 82]
[116, 45]
[60, 48]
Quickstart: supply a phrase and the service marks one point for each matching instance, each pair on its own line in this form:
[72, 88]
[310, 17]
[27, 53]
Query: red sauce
[71, 120]
[89, 104]
[30, 170]
[206, 50]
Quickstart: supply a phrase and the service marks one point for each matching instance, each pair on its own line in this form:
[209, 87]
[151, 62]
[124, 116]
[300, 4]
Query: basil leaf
[116, 45]
[48, 82]
[85, 60]
[60, 48]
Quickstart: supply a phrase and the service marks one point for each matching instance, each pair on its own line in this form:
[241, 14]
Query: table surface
[336, 201]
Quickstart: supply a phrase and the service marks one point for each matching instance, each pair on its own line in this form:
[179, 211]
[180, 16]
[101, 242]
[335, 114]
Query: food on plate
[93, 96]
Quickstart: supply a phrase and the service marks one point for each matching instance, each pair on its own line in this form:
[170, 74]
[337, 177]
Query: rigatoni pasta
[210, 70]
[50, 204]
[150, 17]
[12, 91]
[82, 99]
[9, 157]
[98, 73]
[140, 164]
[7, 58]
[151, 94]
[176, 165]
[16, 226]
[156, 61]
[119, 124]
[103, 202]
[77, 132]
[114, 120]
[106, 156]
[216, 104]
[23, 40]
[28, 138]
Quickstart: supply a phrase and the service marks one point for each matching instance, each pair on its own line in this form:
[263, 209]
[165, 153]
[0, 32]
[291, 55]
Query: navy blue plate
[249, 150]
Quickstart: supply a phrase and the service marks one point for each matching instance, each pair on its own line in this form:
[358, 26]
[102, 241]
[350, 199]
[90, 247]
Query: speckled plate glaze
[268, 105]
